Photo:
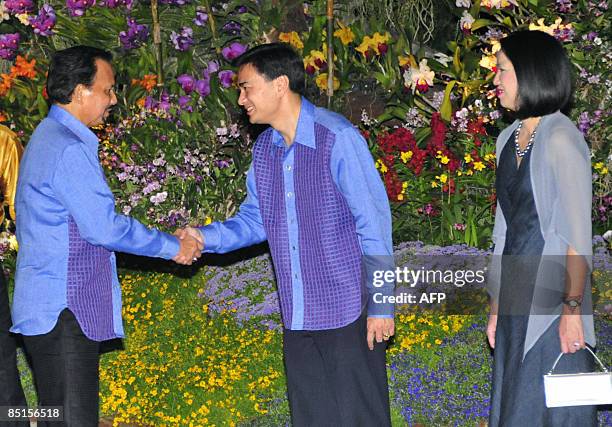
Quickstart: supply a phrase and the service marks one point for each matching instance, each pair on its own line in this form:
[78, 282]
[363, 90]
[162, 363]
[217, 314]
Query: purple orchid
[135, 35]
[233, 51]
[187, 82]
[113, 4]
[226, 77]
[184, 40]
[183, 103]
[154, 105]
[9, 43]
[211, 68]
[175, 2]
[201, 17]
[232, 27]
[202, 86]
[44, 22]
[78, 7]
[15, 7]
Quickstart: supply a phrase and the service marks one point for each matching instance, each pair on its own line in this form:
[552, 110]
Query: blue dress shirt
[61, 178]
[354, 173]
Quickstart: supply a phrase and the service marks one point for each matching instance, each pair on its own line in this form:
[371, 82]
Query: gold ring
[386, 335]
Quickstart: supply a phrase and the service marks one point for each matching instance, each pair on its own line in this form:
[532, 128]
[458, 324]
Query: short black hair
[543, 73]
[274, 60]
[71, 67]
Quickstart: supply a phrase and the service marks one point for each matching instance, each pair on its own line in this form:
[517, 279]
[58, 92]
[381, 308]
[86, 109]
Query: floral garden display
[418, 84]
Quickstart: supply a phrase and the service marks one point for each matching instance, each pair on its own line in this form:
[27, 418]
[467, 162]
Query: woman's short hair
[543, 73]
[274, 60]
[71, 67]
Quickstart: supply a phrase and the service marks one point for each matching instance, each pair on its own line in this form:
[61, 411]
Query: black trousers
[11, 393]
[334, 379]
[65, 364]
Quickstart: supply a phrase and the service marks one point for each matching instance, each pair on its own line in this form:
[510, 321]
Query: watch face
[573, 303]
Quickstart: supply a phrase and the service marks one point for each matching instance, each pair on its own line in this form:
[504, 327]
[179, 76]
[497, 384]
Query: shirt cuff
[170, 247]
[212, 239]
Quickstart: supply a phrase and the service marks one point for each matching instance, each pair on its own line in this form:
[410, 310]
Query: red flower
[450, 187]
[322, 65]
[476, 128]
[393, 184]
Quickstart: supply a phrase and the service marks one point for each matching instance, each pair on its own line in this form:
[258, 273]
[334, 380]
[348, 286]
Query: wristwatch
[572, 302]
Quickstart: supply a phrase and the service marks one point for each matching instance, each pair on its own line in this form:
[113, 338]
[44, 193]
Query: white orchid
[466, 21]
[419, 78]
[4, 15]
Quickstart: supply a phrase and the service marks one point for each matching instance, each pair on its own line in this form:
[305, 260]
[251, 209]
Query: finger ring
[386, 335]
[195, 259]
[576, 344]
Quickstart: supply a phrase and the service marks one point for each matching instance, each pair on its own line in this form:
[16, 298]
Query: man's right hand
[181, 233]
[190, 248]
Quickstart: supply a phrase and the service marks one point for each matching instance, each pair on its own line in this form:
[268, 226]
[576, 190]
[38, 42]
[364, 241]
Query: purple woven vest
[330, 256]
[89, 291]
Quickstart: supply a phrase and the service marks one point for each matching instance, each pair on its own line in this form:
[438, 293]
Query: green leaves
[446, 109]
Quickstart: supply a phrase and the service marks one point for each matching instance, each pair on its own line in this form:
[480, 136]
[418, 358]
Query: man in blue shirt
[67, 295]
[314, 194]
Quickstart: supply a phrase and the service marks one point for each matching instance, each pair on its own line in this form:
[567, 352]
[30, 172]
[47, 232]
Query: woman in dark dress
[541, 302]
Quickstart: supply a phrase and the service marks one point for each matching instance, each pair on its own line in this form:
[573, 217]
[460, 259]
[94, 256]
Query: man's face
[96, 101]
[258, 96]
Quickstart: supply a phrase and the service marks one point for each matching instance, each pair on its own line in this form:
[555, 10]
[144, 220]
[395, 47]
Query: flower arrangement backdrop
[416, 77]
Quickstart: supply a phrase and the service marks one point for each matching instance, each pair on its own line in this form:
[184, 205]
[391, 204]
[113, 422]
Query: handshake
[191, 243]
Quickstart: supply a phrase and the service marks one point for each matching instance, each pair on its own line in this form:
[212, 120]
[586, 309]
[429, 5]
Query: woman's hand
[491, 328]
[571, 332]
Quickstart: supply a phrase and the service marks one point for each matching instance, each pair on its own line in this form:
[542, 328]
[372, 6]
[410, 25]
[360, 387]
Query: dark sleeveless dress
[517, 397]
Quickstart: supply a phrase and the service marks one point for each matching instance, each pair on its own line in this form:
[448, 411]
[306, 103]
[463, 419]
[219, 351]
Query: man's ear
[77, 94]
[281, 84]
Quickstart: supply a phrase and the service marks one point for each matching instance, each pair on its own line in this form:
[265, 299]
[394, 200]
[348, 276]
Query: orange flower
[6, 84]
[23, 68]
[3, 117]
[148, 82]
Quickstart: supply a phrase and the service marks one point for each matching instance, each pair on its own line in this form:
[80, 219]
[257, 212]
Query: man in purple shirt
[314, 194]
[67, 295]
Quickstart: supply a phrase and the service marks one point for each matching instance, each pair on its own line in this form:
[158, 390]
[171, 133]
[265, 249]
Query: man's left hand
[379, 329]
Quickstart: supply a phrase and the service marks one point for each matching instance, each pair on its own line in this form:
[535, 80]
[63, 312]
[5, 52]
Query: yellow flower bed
[182, 367]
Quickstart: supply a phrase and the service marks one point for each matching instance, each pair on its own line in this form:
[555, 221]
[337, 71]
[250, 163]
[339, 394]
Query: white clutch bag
[593, 388]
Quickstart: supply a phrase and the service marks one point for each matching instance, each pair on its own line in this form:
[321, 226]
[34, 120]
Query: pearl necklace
[519, 152]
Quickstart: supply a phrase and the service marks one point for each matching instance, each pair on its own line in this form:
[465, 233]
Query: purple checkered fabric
[330, 256]
[89, 291]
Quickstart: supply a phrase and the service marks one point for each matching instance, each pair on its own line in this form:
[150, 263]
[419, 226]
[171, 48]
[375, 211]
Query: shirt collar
[63, 117]
[304, 134]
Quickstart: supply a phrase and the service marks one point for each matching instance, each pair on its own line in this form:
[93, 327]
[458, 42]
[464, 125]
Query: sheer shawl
[560, 171]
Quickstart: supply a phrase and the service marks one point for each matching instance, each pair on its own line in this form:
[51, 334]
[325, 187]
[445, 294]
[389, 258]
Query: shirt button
[288, 167]
[290, 194]
[296, 276]
[293, 248]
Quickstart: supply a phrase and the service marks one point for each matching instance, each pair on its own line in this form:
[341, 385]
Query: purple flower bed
[248, 288]
[449, 386]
